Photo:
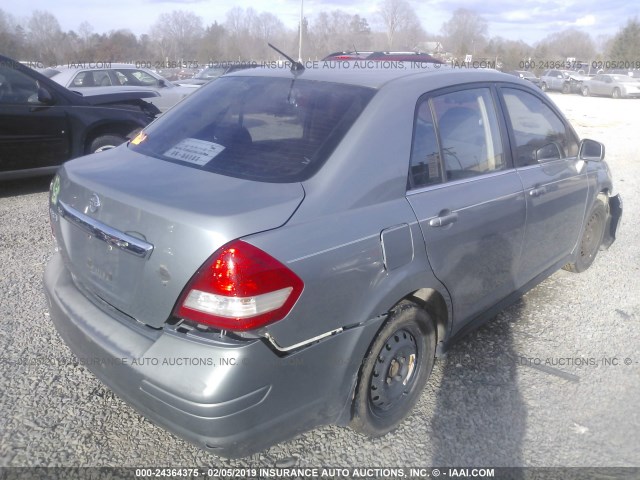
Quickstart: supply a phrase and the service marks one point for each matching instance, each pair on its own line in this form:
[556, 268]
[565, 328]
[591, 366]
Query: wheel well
[121, 129]
[433, 302]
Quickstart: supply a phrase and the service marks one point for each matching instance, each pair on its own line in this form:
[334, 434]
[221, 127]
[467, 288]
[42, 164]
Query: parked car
[120, 77]
[565, 81]
[298, 252]
[526, 75]
[418, 57]
[614, 86]
[211, 73]
[634, 73]
[43, 124]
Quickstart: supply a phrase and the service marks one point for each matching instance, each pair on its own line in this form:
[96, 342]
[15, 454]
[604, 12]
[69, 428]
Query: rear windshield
[257, 128]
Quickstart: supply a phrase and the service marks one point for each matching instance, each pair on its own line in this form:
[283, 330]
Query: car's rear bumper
[231, 398]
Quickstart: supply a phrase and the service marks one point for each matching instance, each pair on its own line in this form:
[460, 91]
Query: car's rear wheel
[591, 238]
[566, 88]
[585, 91]
[543, 86]
[105, 142]
[395, 370]
[616, 93]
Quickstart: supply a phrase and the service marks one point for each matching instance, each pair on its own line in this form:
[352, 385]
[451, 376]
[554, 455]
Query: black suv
[42, 124]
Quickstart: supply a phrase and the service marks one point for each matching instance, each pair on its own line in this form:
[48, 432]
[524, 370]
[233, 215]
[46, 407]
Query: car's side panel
[343, 268]
[554, 216]
[555, 189]
[33, 136]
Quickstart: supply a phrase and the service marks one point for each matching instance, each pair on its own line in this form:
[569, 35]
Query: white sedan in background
[83, 78]
[615, 86]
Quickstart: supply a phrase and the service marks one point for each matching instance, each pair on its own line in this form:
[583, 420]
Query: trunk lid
[135, 240]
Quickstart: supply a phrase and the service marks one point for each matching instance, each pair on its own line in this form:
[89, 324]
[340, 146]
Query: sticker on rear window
[192, 150]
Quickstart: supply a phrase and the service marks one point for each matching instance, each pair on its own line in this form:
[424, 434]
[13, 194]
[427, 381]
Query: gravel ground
[487, 403]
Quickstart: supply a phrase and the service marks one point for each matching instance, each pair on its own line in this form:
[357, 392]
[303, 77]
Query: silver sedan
[293, 248]
[615, 86]
[84, 77]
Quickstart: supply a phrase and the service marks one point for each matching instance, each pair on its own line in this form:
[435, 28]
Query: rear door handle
[443, 220]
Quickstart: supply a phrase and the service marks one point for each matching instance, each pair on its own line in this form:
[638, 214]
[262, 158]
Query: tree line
[244, 33]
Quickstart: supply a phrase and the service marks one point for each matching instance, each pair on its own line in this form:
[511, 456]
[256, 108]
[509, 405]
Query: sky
[528, 20]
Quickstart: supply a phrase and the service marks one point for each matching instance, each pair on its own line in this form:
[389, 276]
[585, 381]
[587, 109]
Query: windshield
[258, 128]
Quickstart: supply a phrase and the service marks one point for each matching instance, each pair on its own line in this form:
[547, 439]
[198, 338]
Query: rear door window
[469, 133]
[455, 135]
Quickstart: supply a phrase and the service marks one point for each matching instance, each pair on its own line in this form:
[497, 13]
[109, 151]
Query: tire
[566, 88]
[105, 142]
[395, 371]
[543, 87]
[591, 238]
[585, 91]
[616, 93]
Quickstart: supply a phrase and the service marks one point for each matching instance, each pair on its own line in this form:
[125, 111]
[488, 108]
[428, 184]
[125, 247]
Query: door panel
[473, 223]
[555, 185]
[556, 197]
[32, 135]
[476, 254]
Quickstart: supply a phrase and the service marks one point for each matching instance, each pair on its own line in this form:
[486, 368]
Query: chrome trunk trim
[112, 237]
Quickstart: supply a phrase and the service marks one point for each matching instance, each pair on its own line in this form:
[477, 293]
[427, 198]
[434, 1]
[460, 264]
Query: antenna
[296, 66]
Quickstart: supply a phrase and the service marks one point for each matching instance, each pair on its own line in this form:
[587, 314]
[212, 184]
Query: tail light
[239, 287]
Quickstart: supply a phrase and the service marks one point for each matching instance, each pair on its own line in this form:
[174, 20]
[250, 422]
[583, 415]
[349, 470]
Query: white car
[614, 86]
[89, 76]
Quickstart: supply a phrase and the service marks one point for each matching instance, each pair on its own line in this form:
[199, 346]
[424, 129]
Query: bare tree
[85, 34]
[626, 43]
[177, 34]
[239, 24]
[44, 36]
[465, 32]
[511, 54]
[9, 41]
[267, 29]
[212, 47]
[567, 43]
[396, 15]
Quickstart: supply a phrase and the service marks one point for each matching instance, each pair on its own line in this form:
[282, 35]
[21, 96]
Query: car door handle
[536, 192]
[443, 220]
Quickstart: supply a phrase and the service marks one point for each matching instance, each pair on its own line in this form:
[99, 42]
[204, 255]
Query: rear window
[257, 128]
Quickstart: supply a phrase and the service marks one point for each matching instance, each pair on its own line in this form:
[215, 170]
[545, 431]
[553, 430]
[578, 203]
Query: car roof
[98, 66]
[375, 75]
[67, 72]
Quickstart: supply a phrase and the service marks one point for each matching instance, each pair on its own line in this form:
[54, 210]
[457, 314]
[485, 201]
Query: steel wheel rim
[591, 237]
[394, 373]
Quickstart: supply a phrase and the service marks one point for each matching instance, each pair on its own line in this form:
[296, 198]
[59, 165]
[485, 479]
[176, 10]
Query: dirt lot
[488, 402]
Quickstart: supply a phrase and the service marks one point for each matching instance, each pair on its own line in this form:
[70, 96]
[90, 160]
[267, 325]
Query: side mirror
[45, 97]
[162, 83]
[550, 151]
[591, 150]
